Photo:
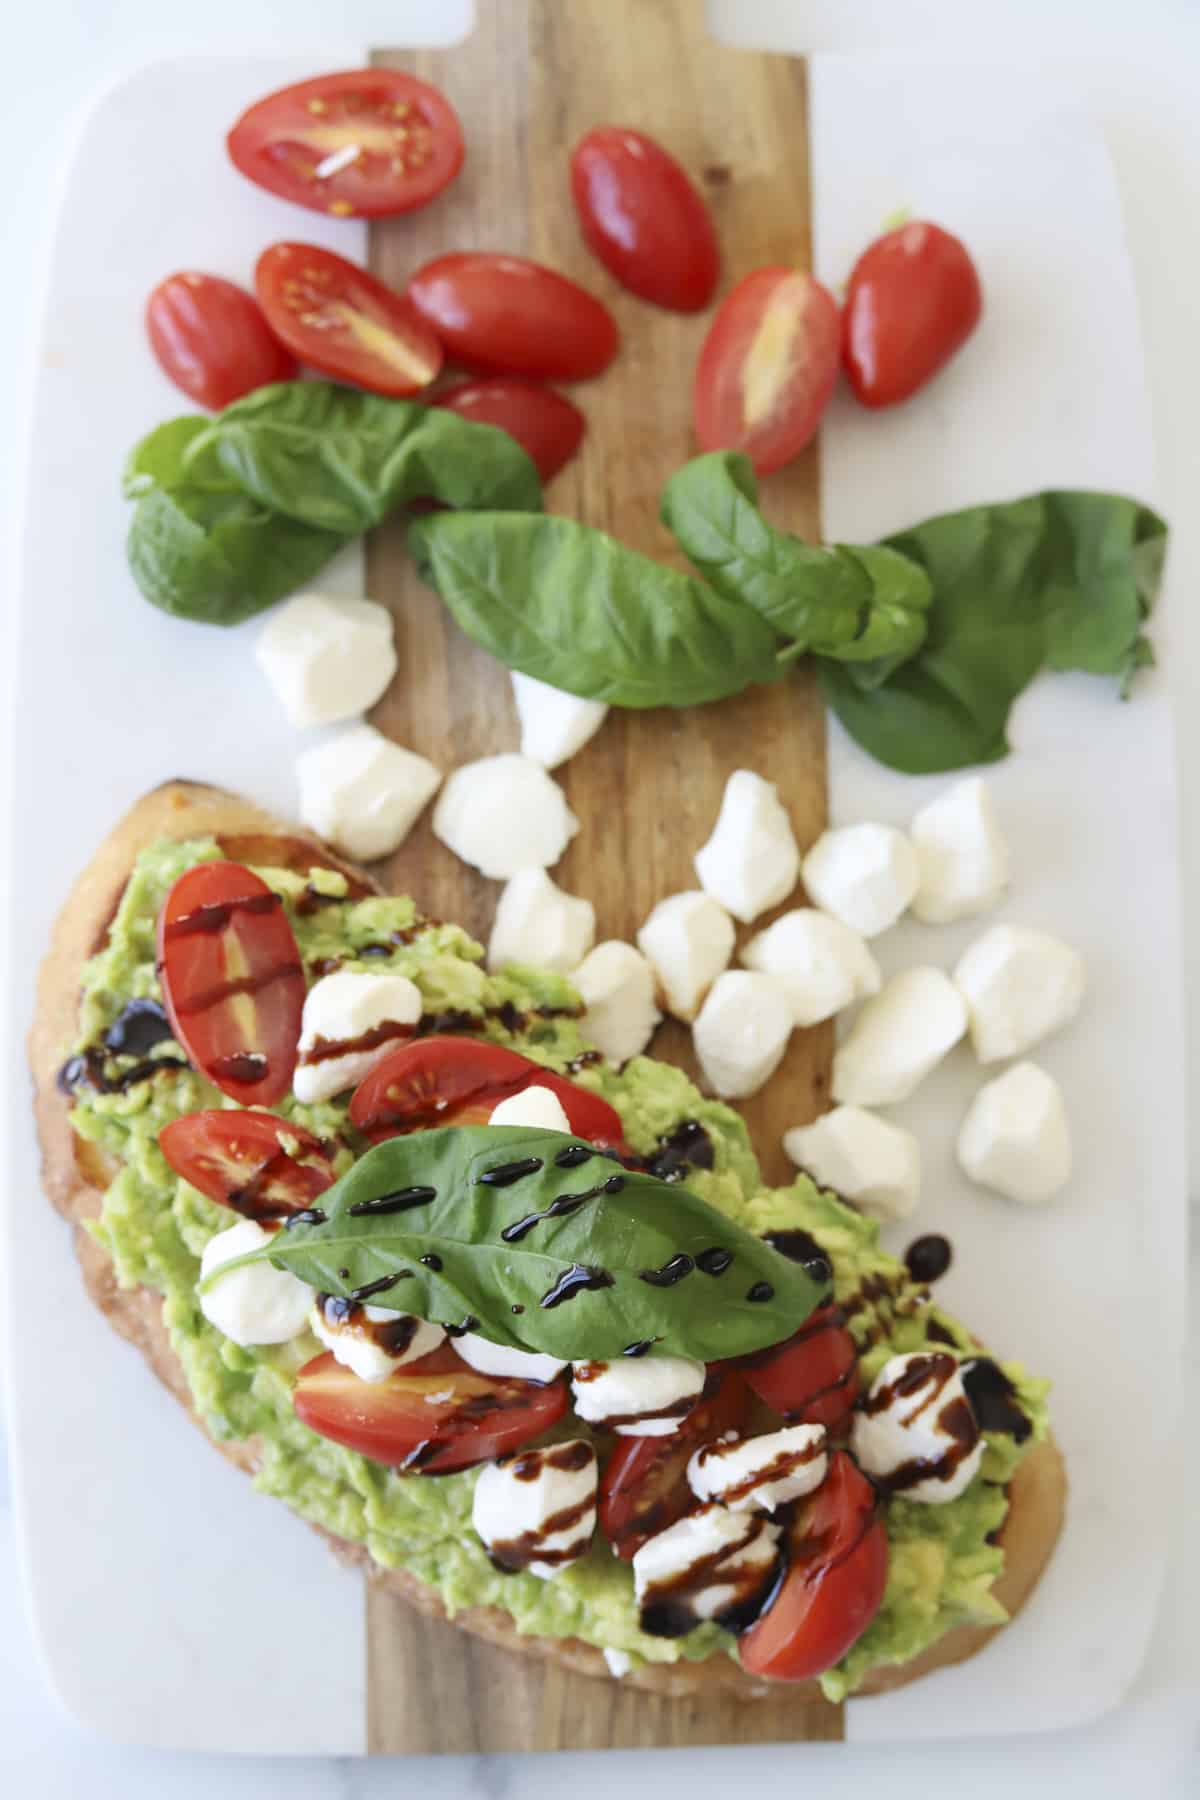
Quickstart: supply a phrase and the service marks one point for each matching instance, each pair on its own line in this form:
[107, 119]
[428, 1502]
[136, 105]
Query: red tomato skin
[300, 284]
[223, 934]
[236, 1159]
[545, 424]
[788, 409]
[913, 299]
[392, 1422]
[834, 1586]
[210, 338]
[460, 1081]
[644, 1488]
[276, 143]
[509, 316]
[812, 1378]
[643, 218]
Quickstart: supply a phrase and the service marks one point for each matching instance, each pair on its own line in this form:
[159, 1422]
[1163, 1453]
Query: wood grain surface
[531, 79]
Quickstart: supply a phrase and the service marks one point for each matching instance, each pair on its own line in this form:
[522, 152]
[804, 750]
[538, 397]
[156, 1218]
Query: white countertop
[1139, 73]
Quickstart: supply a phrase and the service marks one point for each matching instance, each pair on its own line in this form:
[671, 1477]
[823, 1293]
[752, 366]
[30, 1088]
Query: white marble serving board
[173, 1606]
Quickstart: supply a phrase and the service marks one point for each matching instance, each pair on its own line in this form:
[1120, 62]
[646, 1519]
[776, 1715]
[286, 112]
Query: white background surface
[1143, 95]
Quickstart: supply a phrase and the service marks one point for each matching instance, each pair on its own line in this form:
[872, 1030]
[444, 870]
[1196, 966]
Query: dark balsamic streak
[573, 1156]
[400, 1201]
[379, 1286]
[312, 1215]
[578, 1279]
[432, 1262]
[762, 1290]
[504, 1174]
[562, 1208]
[672, 1271]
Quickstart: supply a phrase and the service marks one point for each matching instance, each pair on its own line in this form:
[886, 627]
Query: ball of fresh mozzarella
[616, 984]
[369, 1340]
[554, 724]
[327, 656]
[1019, 986]
[637, 1396]
[862, 1158]
[687, 940]
[822, 965]
[362, 792]
[503, 814]
[742, 1032]
[962, 855]
[757, 1474]
[751, 862]
[916, 1433]
[898, 1037]
[537, 923]
[255, 1305]
[865, 875]
[537, 1107]
[351, 1021]
[1015, 1138]
[501, 1359]
[536, 1509]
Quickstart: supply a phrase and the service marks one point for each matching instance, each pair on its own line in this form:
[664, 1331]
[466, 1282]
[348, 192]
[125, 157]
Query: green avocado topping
[942, 1562]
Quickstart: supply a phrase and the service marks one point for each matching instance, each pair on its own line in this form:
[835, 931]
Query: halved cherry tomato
[645, 1487]
[239, 1159]
[913, 299]
[767, 367]
[812, 1378]
[233, 983]
[430, 1417]
[643, 218]
[211, 339]
[512, 316]
[838, 1561]
[344, 322]
[545, 424]
[461, 1081]
[357, 144]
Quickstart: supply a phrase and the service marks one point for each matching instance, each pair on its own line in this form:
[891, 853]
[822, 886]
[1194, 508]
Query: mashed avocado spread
[942, 1562]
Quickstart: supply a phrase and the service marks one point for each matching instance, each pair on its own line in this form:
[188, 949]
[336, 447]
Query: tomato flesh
[645, 1487]
[431, 1417]
[262, 1166]
[358, 144]
[510, 316]
[460, 1081]
[838, 1561]
[913, 299]
[813, 1377]
[545, 424]
[337, 317]
[767, 367]
[642, 217]
[211, 339]
[233, 983]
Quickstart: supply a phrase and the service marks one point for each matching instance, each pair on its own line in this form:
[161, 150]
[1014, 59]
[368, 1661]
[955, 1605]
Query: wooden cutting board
[531, 79]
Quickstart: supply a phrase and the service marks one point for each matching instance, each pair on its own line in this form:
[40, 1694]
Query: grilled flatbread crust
[75, 1175]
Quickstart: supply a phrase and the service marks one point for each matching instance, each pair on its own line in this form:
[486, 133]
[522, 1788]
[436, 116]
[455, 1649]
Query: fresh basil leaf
[429, 1195]
[340, 460]
[158, 460]
[573, 607]
[861, 605]
[1063, 579]
[217, 556]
